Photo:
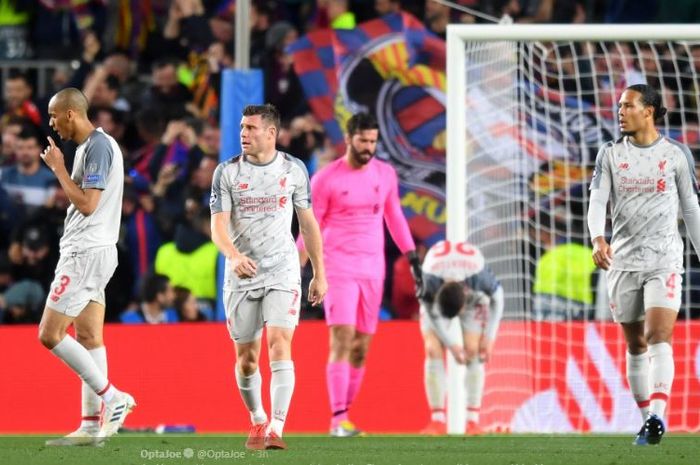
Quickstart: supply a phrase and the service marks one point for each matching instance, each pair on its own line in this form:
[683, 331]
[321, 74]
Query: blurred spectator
[437, 17]
[29, 182]
[32, 253]
[190, 259]
[15, 22]
[60, 24]
[17, 95]
[140, 236]
[102, 89]
[8, 217]
[187, 306]
[282, 86]
[339, 14]
[166, 93]
[5, 273]
[24, 302]
[260, 22]
[10, 130]
[387, 7]
[149, 125]
[157, 298]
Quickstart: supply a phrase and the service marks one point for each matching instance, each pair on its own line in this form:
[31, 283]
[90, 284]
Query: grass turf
[151, 449]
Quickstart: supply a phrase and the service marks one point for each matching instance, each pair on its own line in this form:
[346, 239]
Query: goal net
[528, 109]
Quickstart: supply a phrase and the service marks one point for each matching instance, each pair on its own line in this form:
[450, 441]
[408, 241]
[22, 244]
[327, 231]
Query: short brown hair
[267, 112]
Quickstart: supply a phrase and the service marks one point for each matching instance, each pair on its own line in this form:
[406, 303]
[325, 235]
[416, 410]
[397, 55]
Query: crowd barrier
[183, 374]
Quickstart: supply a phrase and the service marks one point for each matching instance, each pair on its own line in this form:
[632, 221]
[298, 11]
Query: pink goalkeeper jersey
[350, 205]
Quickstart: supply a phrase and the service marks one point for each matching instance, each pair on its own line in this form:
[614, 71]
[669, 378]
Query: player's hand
[417, 273]
[317, 290]
[602, 253]
[485, 349]
[52, 156]
[458, 353]
[243, 266]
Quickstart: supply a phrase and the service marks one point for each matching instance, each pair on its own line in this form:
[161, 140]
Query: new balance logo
[623, 166]
[292, 312]
[243, 186]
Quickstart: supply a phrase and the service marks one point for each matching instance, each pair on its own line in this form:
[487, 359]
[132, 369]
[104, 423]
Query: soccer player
[646, 177]
[352, 198]
[252, 198]
[456, 282]
[88, 258]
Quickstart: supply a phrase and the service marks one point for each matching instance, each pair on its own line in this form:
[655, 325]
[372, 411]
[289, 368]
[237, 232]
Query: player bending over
[456, 283]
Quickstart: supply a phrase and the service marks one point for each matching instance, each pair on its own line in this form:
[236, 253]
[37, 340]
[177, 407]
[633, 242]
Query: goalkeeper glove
[416, 272]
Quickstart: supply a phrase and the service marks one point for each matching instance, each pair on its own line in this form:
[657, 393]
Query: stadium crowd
[152, 76]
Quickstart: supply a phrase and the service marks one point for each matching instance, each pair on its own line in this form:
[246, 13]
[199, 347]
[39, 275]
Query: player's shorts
[632, 292]
[81, 278]
[473, 320]
[354, 302]
[248, 311]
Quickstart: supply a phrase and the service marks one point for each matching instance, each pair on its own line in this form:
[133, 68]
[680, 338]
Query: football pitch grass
[152, 449]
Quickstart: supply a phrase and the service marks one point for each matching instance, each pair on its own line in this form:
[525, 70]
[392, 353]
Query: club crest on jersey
[283, 182]
[662, 165]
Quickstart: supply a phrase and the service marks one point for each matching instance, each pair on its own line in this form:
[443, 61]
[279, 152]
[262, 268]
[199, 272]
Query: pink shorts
[354, 302]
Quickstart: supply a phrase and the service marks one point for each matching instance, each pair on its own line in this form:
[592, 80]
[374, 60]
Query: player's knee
[279, 350]
[247, 365]
[433, 350]
[358, 356]
[657, 336]
[48, 339]
[89, 340]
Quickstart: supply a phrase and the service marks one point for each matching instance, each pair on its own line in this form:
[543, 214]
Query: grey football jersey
[646, 185]
[261, 199]
[98, 164]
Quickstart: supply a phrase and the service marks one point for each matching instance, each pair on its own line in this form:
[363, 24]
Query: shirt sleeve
[393, 215]
[302, 190]
[97, 163]
[687, 185]
[319, 203]
[220, 199]
[601, 185]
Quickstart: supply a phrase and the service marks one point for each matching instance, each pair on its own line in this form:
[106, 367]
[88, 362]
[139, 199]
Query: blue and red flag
[394, 68]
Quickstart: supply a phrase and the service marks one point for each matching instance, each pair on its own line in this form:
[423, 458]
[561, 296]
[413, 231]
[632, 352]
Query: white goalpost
[528, 106]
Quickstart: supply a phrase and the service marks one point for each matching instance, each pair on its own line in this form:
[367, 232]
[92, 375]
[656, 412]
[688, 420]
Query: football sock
[474, 384]
[338, 380]
[281, 389]
[434, 381]
[250, 389]
[91, 403]
[79, 360]
[356, 376]
[638, 379]
[661, 370]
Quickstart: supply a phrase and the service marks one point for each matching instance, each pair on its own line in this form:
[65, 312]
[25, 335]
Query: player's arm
[597, 207]
[311, 234]
[221, 205]
[687, 185]
[398, 228]
[87, 197]
[319, 203]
